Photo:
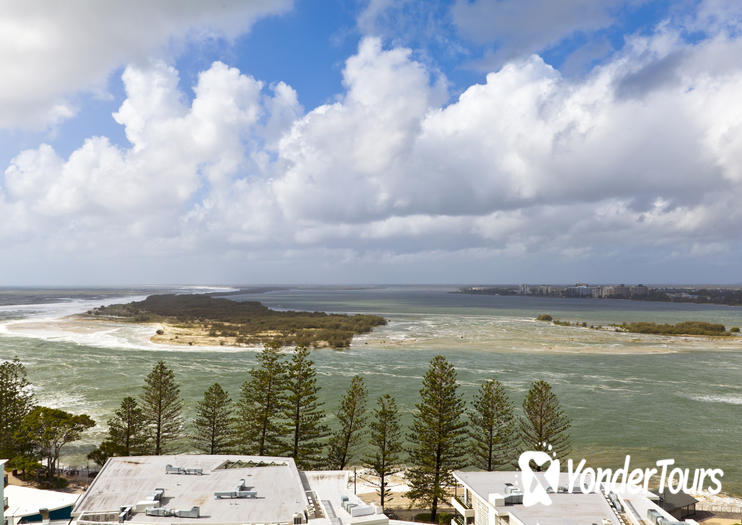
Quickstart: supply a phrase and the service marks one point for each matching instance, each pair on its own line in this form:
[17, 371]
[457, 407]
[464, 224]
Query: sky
[370, 141]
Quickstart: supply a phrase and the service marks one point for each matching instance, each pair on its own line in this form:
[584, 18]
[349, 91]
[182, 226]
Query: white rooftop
[26, 501]
[565, 508]
[331, 486]
[127, 481]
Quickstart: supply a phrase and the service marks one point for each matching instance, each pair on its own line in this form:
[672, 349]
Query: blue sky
[371, 141]
[307, 47]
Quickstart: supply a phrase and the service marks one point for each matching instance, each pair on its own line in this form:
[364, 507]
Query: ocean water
[648, 396]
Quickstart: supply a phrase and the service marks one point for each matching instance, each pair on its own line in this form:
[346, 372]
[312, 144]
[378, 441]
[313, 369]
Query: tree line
[30, 433]
[278, 413]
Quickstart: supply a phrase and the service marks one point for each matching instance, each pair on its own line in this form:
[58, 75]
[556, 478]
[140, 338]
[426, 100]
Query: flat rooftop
[565, 509]
[26, 501]
[125, 481]
[330, 486]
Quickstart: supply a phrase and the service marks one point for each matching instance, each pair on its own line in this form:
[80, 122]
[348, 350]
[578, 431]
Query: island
[683, 328]
[202, 319]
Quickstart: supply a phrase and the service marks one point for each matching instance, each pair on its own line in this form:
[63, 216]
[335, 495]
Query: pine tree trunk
[296, 432]
[382, 479]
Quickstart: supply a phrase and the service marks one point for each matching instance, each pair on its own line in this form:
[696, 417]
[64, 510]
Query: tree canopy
[16, 401]
[303, 412]
[544, 423]
[386, 444]
[126, 433]
[262, 403]
[438, 436]
[162, 406]
[492, 432]
[214, 423]
[48, 430]
[352, 418]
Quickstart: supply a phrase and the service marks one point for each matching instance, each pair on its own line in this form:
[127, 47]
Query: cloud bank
[519, 28]
[641, 159]
[49, 51]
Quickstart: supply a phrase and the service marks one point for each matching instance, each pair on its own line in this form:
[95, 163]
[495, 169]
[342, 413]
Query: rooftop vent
[250, 464]
[513, 495]
[159, 512]
[194, 512]
[658, 519]
[354, 509]
[124, 514]
[240, 492]
[169, 469]
[162, 512]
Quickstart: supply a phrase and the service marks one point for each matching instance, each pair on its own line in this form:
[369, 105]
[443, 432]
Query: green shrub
[444, 518]
[734, 329]
[684, 328]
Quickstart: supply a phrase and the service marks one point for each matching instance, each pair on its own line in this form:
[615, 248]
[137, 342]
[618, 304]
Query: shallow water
[648, 396]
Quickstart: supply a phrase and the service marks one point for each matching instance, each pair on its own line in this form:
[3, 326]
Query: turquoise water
[648, 396]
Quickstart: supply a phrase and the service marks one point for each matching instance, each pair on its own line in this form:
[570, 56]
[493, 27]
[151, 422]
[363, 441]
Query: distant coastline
[728, 296]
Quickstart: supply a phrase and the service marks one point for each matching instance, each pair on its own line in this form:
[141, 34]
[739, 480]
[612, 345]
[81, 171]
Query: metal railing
[719, 508]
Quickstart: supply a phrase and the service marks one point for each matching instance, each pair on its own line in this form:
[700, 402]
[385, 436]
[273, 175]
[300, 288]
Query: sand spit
[503, 335]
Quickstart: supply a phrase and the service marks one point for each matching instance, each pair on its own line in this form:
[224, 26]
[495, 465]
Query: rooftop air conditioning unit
[513, 495]
[160, 512]
[193, 513]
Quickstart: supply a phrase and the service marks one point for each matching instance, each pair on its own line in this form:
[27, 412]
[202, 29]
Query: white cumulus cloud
[641, 158]
[50, 51]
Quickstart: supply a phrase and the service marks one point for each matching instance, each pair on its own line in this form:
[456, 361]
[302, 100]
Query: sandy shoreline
[508, 335]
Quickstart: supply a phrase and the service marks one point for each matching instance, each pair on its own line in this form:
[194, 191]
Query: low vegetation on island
[203, 319]
[684, 328]
[643, 327]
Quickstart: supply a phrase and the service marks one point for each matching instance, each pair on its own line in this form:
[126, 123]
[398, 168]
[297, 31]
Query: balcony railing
[462, 508]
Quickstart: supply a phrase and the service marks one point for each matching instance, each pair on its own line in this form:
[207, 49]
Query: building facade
[220, 490]
[496, 498]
